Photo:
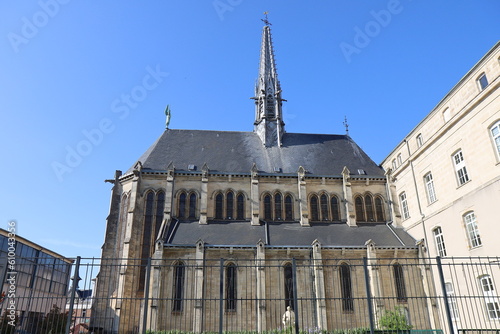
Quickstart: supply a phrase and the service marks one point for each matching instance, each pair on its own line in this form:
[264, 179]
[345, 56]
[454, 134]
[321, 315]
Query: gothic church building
[208, 228]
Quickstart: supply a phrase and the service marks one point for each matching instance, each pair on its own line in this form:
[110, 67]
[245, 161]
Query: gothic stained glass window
[334, 203]
[240, 207]
[314, 208]
[229, 205]
[346, 287]
[278, 207]
[178, 286]
[218, 206]
[288, 208]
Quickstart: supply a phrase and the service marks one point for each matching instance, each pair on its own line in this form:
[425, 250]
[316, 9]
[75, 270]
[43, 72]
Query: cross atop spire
[266, 21]
[269, 123]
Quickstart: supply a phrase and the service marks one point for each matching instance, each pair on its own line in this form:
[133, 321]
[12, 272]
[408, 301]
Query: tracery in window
[314, 208]
[229, 205]
[240, 207]
[334, 206]
[288, 208]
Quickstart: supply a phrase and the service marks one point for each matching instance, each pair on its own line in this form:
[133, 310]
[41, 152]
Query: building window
[429, 186]
[267, 207]
[420, 140]
[288, 276]
[452, 301]
[182, 206]
[400, 159]
[369, 208]
[399, 281]
[178, 287]
[324, 207]
[278, 207]
[218, 205]
[404, 205]
[379, 209]
[394, 165]
[460, 169]
[446, 115]
[334, 205]
[360, 212]
[231, 287]
[192, 205]
[288, 208]
[495, 135]
[472, 230]
[314, 208]
[346, 287]
[490, 298]
[187, 205]
[439, 239]
[229, 205]
[240, 207]
[482, 81]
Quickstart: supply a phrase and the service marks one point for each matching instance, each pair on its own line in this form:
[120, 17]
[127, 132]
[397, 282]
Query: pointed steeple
[269, 123]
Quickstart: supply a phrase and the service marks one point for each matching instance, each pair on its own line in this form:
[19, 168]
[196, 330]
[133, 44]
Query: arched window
[160, 204]
[278, 205]
[346, 287]
[240, 207]
[379, 209]
[231, 287]
[360, 213]
[399, 281]
[229, 205]
[324, 207]
[178, 286]
[334, 204]
[182, 205]
[267, 207]
[288, 208]
[288, 276]
[192, 205]
[314, 208]
[218, 206]
[369, 208]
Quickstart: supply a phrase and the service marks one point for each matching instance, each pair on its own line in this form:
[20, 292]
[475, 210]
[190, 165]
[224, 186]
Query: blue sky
[84, 85]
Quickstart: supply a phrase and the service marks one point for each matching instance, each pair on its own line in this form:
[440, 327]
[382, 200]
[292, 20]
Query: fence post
[368, 294]
[221, 294]
[445, 295]
[76, 278]
[146, 296]
[295, 301]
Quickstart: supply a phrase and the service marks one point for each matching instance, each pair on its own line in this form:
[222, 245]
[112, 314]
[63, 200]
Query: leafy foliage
[394, 320]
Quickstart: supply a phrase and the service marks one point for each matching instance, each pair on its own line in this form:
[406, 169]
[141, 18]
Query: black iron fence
[295, 295]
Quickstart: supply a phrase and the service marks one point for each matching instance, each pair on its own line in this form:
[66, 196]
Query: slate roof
[187, 233]
[235, 152]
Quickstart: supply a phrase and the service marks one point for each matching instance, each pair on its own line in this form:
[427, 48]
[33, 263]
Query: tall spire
[269, 123]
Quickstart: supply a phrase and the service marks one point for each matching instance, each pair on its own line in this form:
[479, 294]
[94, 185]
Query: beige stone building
[238, 226]
[445, 184]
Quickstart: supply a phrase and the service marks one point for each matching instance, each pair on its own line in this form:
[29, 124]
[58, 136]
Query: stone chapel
[206, 207]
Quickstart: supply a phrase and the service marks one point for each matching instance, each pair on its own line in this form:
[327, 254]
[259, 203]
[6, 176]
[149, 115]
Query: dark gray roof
[235, 152]
[187, 233]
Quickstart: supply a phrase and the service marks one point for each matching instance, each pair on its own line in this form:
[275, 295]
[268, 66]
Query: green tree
[394, 320]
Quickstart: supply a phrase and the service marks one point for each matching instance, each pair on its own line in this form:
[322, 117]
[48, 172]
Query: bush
[394, 320]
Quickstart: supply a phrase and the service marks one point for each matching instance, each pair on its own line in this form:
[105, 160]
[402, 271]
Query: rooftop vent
[191, 167]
